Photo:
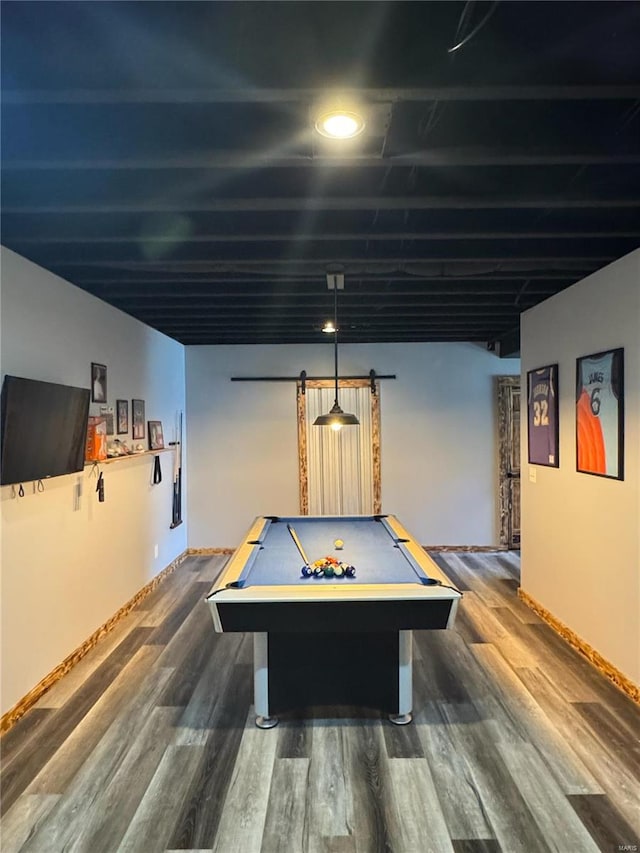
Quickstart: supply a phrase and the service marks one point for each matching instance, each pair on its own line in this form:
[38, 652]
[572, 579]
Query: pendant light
[336, 418]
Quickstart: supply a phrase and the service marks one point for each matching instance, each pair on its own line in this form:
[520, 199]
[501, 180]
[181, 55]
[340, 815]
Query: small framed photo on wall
[98, 383]
[122, 416]
[156, 439]
[600, 414]
[137, 418]
[542, 416]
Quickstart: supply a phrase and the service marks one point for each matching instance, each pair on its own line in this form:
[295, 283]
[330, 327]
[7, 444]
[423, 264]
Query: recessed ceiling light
[328, 327]
[340, 124]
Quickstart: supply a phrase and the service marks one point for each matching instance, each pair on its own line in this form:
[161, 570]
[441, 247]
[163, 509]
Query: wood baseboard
[209, 551]
[13, 715]
[465, 548]
[601, 664]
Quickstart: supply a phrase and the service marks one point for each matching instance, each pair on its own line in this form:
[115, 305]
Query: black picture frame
[122, 417]
[98, 382]
[543, 421]
[156, 437]
[600, 414]
[137, 418]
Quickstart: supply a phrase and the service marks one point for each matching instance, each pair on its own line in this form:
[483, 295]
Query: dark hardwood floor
[149, 743]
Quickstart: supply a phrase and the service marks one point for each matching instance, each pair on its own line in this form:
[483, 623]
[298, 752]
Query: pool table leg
[405, 679]
[261, 681]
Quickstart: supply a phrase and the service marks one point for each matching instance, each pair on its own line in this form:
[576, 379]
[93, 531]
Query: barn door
[339, 471]
[509, 460]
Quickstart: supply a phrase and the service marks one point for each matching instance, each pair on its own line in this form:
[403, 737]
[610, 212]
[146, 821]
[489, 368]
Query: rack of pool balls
[328, 567]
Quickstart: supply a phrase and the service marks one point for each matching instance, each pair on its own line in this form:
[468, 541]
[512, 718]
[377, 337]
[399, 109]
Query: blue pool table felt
[369, 544]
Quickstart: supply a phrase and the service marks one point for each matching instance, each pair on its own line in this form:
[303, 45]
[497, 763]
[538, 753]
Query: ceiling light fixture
[329, 327]
[340, 124]
[336, 418]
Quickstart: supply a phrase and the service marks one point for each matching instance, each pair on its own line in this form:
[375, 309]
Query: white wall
[65, 571]
[580, 533]
[439, 453]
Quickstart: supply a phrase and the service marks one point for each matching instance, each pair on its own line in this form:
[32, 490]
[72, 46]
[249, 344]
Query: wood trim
[303, 470]
[466, 548]
[600, 663]
[20, 708]
[303, 464]
[504, 386]
[208, 551]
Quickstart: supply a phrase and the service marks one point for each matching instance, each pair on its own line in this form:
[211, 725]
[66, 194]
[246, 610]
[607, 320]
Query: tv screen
[44, 429]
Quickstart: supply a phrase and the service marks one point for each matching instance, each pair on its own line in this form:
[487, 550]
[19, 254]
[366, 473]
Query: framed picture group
[599, 415]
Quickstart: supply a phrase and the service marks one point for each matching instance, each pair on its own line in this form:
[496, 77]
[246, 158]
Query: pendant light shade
[336, 418]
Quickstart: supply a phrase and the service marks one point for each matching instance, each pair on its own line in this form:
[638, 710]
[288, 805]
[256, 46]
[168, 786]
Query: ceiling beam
[312, 279]
[328, 237]
[256, 159]
[255, 95]
[398, 263]
[269, 205]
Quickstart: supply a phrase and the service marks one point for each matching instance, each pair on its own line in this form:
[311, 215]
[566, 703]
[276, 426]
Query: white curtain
[340, 464]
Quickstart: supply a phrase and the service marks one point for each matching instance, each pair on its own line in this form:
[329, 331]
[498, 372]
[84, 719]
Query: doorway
[339, 472]
[509, 460]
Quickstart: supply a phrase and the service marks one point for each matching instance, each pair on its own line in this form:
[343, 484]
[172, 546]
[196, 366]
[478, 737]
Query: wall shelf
[122, 458]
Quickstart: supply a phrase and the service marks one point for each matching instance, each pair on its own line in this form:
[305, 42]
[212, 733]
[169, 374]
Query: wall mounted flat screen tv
[44, 429]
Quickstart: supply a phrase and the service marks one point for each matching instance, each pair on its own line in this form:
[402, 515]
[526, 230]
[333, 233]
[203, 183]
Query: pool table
[328, 640]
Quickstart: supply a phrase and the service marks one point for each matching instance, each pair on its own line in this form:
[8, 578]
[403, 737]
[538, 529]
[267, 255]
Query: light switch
[532, 474]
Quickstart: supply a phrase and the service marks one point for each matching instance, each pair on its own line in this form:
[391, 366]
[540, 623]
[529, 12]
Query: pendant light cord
[335, 342]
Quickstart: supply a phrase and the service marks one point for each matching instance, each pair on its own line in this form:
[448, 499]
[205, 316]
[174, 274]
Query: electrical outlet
[155, 551]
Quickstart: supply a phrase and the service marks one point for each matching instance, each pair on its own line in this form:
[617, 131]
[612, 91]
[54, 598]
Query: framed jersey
[542, 416]
[600, 414]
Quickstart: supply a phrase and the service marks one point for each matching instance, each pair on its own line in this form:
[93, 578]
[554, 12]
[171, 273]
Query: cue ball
[339, 544]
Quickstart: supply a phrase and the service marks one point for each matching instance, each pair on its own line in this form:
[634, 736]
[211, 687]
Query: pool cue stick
[176, 509]
[298, 544]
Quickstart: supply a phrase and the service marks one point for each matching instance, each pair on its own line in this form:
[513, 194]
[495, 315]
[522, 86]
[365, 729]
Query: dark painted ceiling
[162, 156]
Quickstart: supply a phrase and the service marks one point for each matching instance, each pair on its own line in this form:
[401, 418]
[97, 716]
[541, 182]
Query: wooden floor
[149, 744]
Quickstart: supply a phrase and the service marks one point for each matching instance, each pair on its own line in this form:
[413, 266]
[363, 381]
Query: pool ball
[329, 572]
[350, 571]
[307, 571]
[338, 572]
[339, 544]
[318, 572]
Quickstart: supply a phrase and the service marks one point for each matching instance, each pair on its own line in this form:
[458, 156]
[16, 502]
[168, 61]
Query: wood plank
[197, 824]
[18, 773]
[167, 629]
[285, 823]
[442, 559]
[329, 812]
[121, 708]
[370, 813]
[463, 810]
[107, 819]
[21, 732]
[296, 736]
[402, 741]
[608, 828]
[509, 815]
[559, 824]
[155, 818]
[520, 719]
[476, 845]
[24, 818]
[419, 822]
[243, 817]
[622, 743]
[198, 718]
[614, 780]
